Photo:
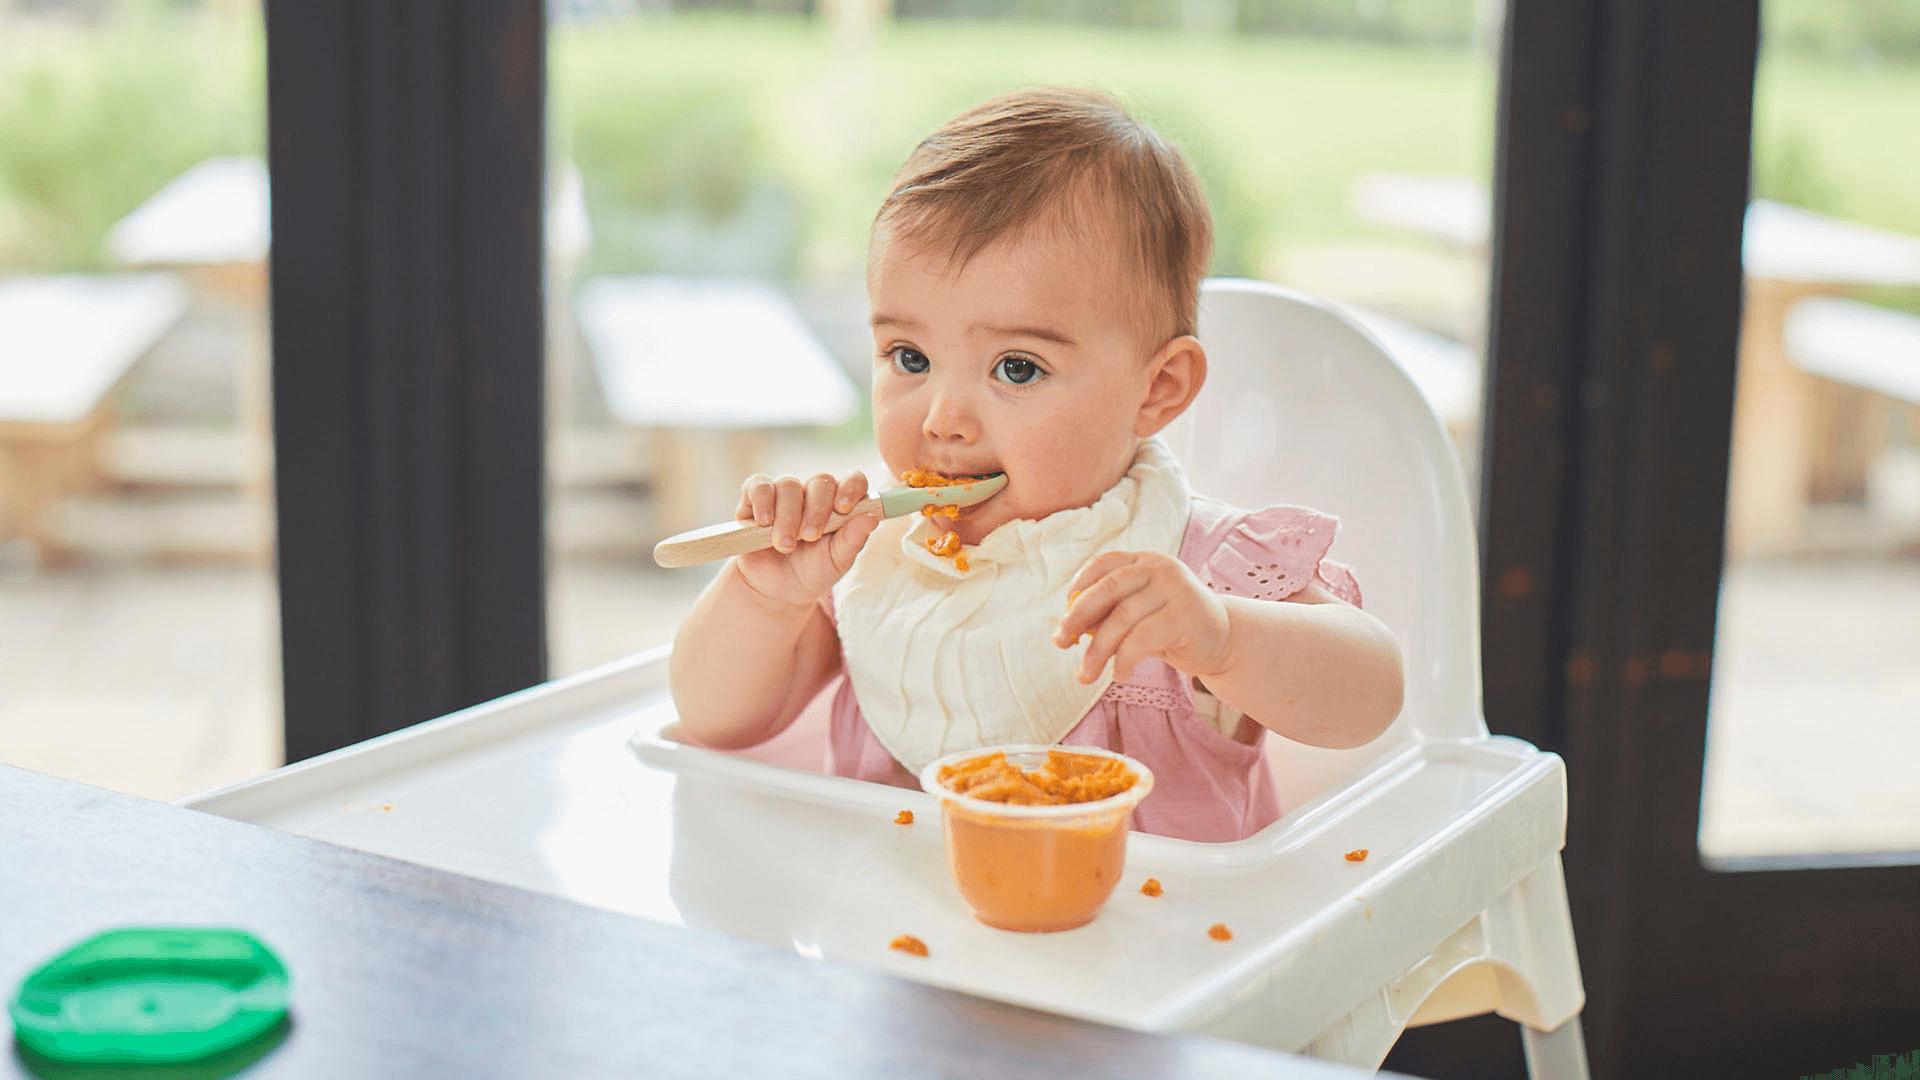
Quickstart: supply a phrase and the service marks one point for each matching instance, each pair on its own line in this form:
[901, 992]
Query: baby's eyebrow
[1042, 332]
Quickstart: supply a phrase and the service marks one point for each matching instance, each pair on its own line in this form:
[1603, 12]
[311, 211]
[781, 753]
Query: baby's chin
[975, 523]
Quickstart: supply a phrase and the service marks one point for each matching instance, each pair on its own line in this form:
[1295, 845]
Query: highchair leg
[1517, 958]
[1560, 1054]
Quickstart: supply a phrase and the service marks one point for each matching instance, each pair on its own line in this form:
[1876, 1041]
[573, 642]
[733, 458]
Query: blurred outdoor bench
[1784, 457]
[65, 343]
[1870, 414]
[707, 369]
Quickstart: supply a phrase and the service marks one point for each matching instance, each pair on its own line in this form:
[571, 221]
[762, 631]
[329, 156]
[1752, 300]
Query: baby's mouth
[935, 476]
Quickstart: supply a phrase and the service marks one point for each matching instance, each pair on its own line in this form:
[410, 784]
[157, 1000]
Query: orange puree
[904, 817]
[929, 478]
[907, 943]
[945, 546]
[1065, 778]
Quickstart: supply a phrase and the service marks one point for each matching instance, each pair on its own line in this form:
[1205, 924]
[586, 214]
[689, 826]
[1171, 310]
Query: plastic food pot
[1035, 868]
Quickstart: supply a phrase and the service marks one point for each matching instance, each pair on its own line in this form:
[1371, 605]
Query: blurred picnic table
[66, 342]
[212, 225]
[1796, 437]
[708, 368]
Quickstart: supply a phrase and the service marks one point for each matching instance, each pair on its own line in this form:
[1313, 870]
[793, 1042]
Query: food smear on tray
[907, 943]
[1219, 932]
[1064, 778]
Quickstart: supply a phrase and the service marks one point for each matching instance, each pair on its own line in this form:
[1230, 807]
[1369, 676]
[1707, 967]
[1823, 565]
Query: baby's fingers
[756, 500]
[821, 492]
[847, 541]
[1113, 632]
[852, 490]
[789, 499]
[1095, 592]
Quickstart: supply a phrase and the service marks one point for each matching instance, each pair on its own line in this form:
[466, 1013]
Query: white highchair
[1302, 406]
[569, 787]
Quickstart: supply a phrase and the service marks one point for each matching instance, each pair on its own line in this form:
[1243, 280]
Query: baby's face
[1027, 360]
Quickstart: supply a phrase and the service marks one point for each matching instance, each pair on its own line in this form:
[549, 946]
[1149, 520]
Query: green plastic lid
[151, 994]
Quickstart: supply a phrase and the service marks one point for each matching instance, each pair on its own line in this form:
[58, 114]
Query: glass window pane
[1815, 717]
[138, 625]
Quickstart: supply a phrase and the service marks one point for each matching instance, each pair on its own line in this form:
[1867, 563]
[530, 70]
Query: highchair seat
[1458, 907]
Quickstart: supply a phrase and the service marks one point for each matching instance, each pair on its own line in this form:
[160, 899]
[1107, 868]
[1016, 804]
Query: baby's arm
[757, 646]
[1311, 668]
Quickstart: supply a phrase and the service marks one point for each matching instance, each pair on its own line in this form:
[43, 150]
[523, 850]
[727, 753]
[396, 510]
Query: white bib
[943, 659]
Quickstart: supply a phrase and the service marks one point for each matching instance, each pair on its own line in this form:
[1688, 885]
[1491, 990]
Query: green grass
[707, 118]
[1841, 139]
[92, 122]
[1277, 127]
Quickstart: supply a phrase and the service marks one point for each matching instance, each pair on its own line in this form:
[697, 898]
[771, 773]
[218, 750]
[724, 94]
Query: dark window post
[407, 152]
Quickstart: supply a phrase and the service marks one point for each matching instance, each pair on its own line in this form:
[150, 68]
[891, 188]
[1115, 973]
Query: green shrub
[93, 123]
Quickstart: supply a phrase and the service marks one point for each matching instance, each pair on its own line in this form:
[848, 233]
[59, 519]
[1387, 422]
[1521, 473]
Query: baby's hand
[801, 566]
[1140, 605]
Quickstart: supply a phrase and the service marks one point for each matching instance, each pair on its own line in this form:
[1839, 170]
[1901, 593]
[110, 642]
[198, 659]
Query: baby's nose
[950, 419]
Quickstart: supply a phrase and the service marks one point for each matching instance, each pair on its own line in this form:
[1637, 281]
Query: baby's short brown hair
[1039, 155]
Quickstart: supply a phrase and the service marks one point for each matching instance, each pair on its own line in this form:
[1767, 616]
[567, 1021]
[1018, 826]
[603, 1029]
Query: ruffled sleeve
[1273, 553]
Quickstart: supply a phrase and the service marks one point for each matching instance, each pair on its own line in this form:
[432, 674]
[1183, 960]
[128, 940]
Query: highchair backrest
[1303, 407]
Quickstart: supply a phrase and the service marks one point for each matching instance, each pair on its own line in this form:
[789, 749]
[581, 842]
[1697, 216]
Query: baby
[1034, 278]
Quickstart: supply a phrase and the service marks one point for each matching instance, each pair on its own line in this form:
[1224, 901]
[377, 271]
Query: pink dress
[1207, 785]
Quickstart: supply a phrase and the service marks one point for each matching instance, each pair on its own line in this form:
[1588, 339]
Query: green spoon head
[910, 500]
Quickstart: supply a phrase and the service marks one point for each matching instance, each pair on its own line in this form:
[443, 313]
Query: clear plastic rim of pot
[1125, 801]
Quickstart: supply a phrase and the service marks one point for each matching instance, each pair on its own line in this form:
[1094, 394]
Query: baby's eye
[911, 361]
[1017, 370]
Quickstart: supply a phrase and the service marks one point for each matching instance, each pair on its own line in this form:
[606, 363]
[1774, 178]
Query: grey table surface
[399, 970]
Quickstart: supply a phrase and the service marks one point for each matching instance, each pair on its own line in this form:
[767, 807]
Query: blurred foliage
[1444, 23]
[95, 118]
[1848, 31]
[679, 173]
[758, 144]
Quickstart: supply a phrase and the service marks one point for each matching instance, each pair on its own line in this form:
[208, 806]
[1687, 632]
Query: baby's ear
[1174, 377]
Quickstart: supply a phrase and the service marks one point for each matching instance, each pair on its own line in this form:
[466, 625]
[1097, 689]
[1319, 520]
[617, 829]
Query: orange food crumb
[907, 943]
[1065, 778]
[1074, 595]
[1152, 887]
[1358, 854]
[904, 817]
[1219, 932]
[949, 512]
[945, 545]
[960, 562]
[387, 806]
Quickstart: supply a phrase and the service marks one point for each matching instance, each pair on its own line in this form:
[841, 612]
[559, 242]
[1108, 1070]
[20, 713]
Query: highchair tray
[568, 788]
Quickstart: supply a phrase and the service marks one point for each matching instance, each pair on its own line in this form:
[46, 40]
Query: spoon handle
[730, 538]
